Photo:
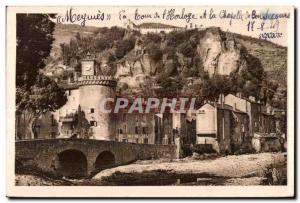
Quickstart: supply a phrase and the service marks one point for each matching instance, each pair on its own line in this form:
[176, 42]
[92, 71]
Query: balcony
[67, 118]
[97, 80]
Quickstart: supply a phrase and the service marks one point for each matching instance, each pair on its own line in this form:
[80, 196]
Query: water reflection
[155, 178]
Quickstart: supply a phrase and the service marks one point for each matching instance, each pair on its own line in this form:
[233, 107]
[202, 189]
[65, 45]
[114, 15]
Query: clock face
[88, 68]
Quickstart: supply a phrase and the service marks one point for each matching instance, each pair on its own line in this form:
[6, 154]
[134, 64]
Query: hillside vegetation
[199, 63]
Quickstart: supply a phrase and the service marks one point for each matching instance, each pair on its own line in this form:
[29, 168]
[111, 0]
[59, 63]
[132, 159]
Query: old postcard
[157, 101]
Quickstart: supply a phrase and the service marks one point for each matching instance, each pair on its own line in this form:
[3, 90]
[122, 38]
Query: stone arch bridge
[83, 157]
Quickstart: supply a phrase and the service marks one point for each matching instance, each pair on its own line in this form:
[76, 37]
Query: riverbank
[248, 169]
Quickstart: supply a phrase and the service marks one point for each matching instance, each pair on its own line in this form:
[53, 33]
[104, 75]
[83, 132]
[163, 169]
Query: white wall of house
[206, 126]
[206, 120]
[237, 102]
[176, 120]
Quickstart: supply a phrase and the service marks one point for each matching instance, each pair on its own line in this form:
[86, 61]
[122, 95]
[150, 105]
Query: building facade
[214, 127]
[136, 127]
[230, 125]
[260, 118]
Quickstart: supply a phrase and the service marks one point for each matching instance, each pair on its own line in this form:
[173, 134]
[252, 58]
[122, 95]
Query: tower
[93, 87]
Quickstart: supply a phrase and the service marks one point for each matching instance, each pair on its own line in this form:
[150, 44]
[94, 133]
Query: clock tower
[93, 88]
[88, 65]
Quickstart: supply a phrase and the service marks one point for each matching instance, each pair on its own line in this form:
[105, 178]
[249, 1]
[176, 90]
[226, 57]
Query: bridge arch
[72, 163]
[105, 159]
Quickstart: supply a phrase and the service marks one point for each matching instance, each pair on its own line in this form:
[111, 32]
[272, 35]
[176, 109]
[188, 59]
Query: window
[243, 128]
[207, 135]
[144, 118]
[201, 111]
[124, 117]
[93, 123]
[145, 130]
[92, 110]
[52, 120]
[136, 130]
[120, 131]
[125, 129]
[145, 141]
[53, 134]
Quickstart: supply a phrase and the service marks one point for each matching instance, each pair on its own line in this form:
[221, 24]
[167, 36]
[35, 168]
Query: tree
[170, 87]
[214, 86]
[113, 33]
[44, 96]
[81, 125]
[34, 42]
[124, 46]
[252, 76]
[148, 88]
[186, 49]
[268, 90]
[152, 38]
[101, 44]
[36, 94]
[154, 52]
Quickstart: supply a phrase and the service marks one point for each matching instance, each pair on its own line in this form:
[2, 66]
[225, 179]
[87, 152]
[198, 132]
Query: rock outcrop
[220, 52]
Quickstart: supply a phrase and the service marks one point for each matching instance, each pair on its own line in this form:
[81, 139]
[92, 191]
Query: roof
[225, 107]
[156, 26]
[244, 98]
[264, 135]
[88, 57]
[267, 114]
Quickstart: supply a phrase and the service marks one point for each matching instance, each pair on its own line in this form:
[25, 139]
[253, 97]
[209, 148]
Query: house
[240, 131]
[145, 28]
[263, 142]
[248, 105]
[136, 127]
[222, 128]
[43, 128]
[213, 127]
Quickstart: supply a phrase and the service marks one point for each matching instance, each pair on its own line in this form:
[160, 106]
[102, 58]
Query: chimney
[251, 98]
[239, 94]
[221, 100]
[75, 76]
[69, 80]
[215, 104]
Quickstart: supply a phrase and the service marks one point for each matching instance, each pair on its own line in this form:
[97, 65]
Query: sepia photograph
[196, 97]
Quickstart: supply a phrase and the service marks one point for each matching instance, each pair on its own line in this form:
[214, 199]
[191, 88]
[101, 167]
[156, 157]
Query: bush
[154, 52]
[152, 37]
[186, 49]
[102, 44]
[124, 46]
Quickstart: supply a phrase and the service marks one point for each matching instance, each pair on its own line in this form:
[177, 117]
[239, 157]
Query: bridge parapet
[97, 80]
[49, 155]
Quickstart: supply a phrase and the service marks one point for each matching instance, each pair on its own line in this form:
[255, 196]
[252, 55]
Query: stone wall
[266, 144]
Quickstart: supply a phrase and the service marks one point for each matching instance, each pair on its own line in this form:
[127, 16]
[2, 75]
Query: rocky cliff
[217, 52]
[220, 53]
